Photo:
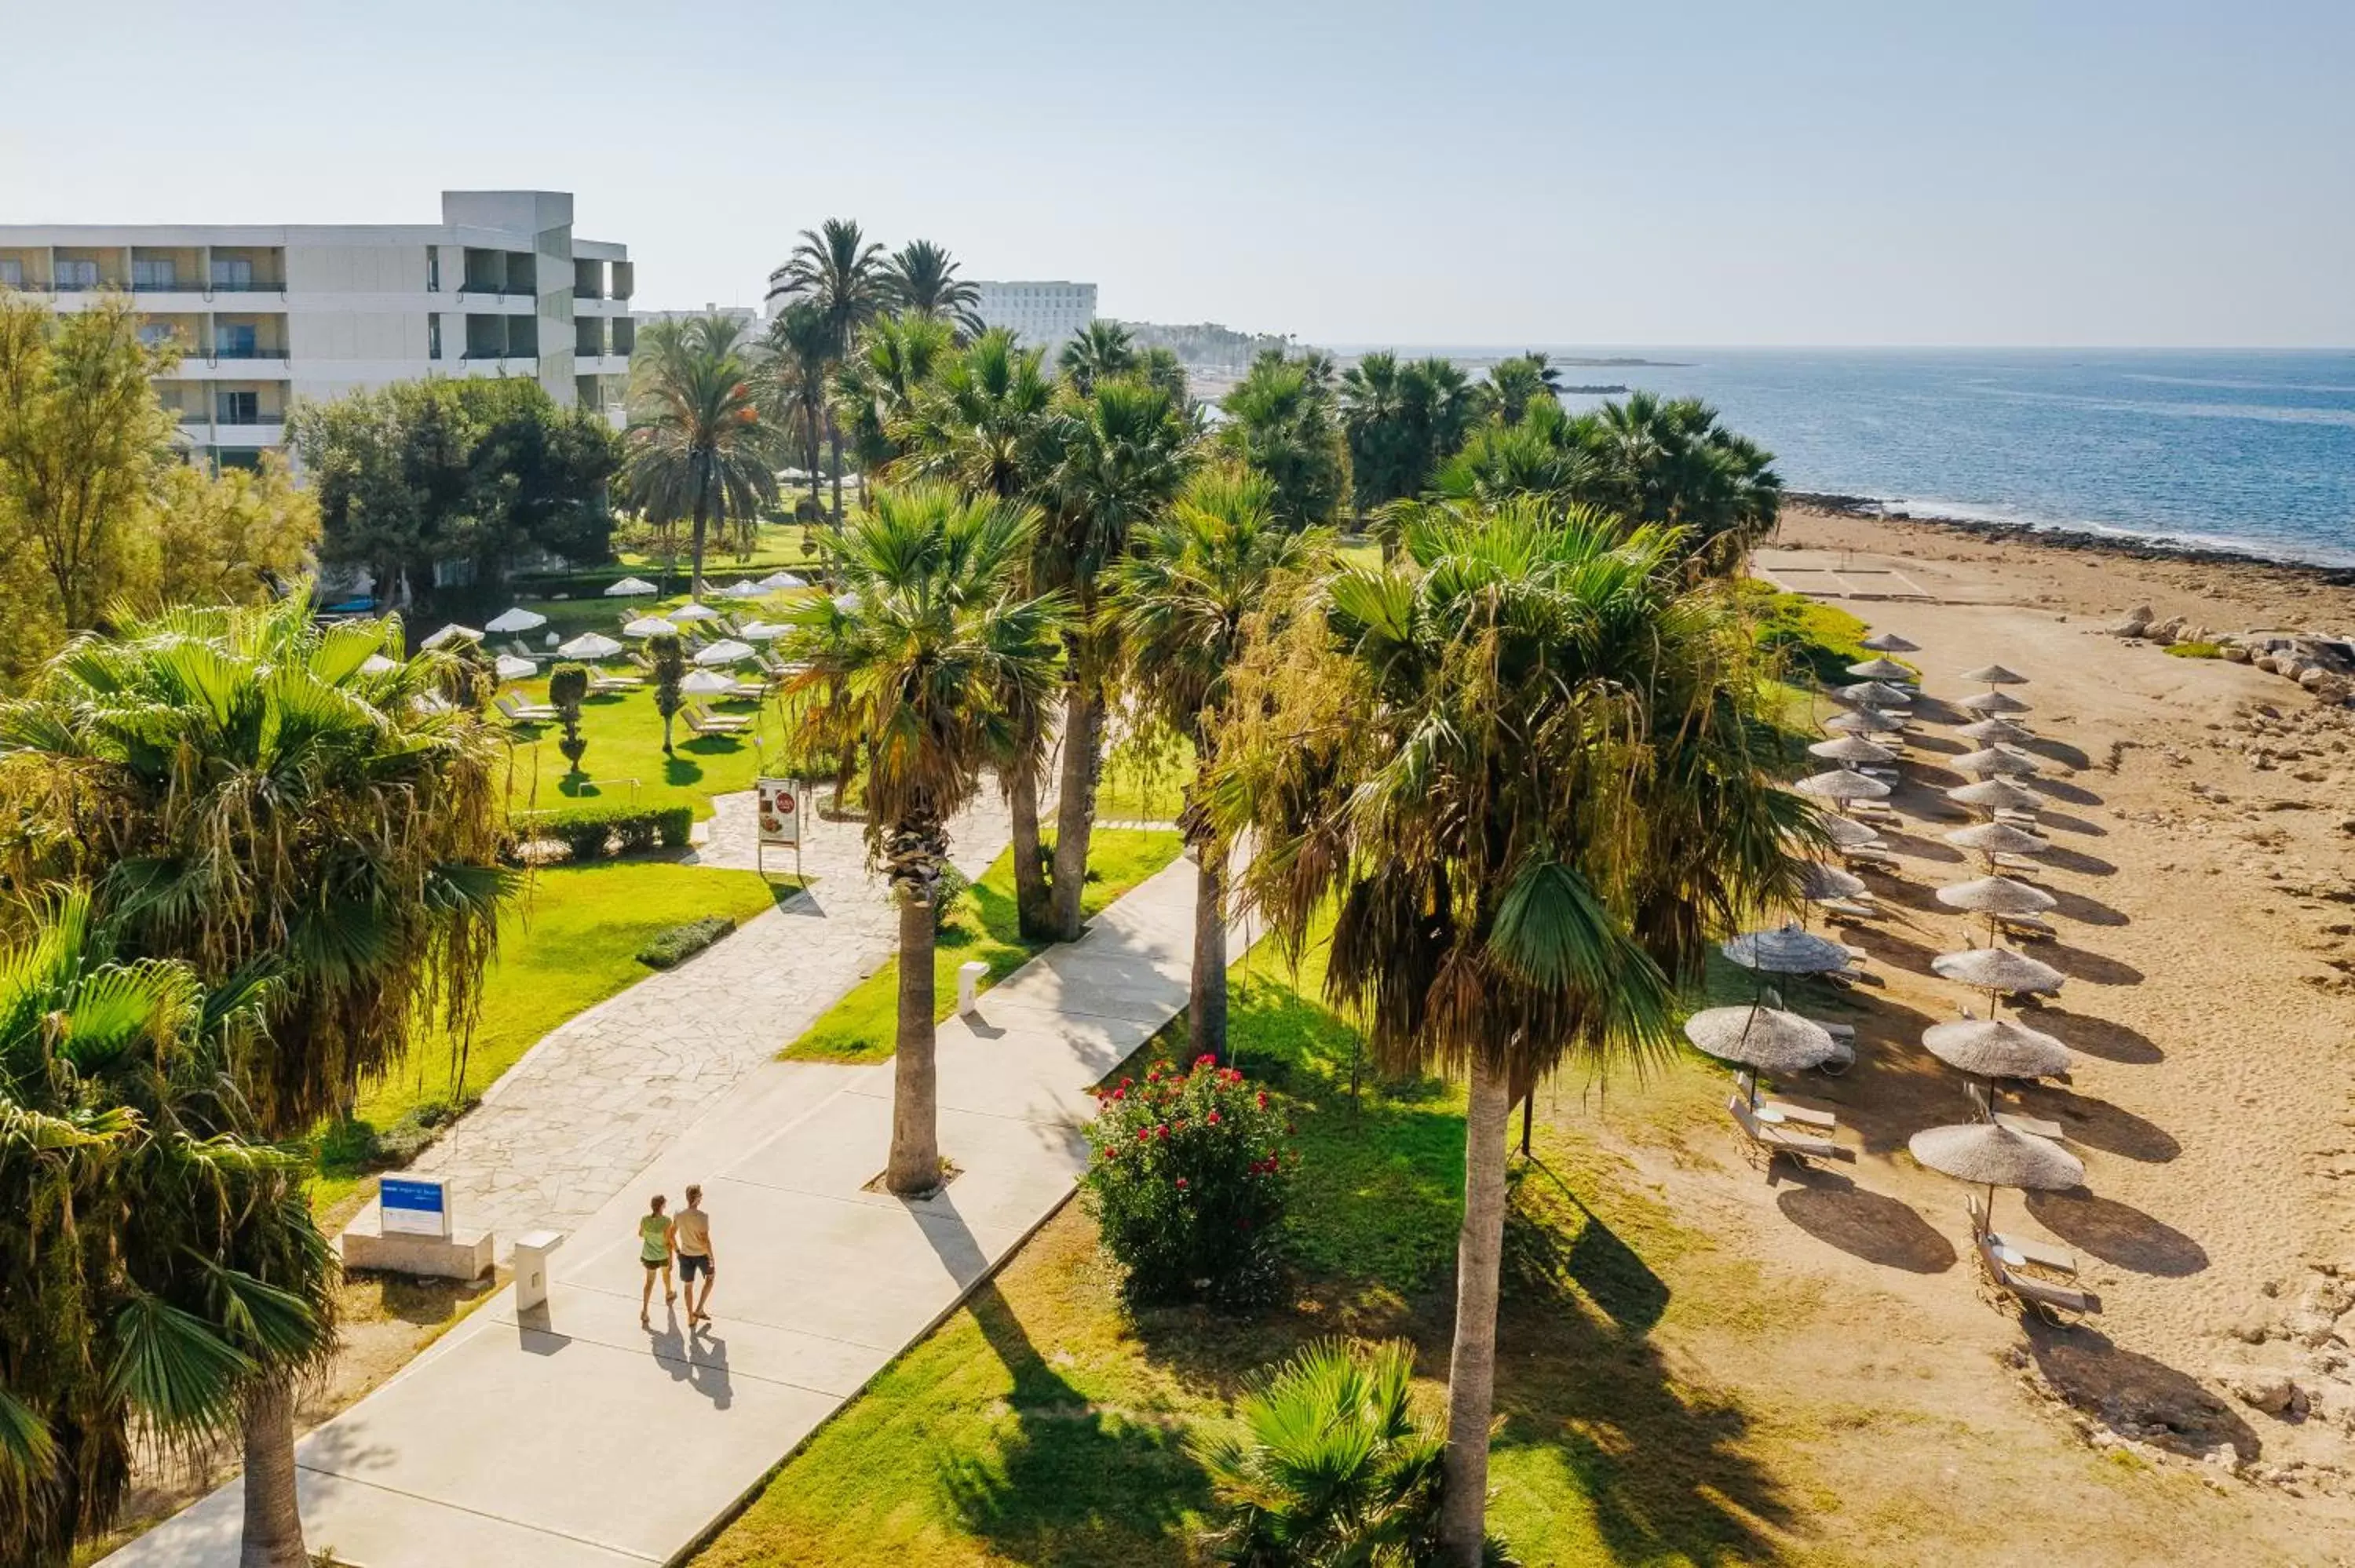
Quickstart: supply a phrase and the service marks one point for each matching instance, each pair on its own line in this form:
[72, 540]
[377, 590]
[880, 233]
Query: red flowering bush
[1188, 1182]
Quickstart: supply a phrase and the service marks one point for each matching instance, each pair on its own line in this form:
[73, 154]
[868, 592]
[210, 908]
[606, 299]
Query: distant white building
[1044, 314]
[264, 314]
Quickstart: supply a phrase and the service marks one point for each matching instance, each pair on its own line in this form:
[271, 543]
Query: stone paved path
[589, 1107]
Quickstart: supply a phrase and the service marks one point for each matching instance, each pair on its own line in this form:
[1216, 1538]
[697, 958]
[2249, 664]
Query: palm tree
[791, 379]
[1279, 423]
[1122, 455]
[1527, 778]
[897, 357]
[698, 447]
[237, 792]
[916, 660]
[922, 281]
[1195, 577]
[158, 1264]
[1102, 352]
[1518, 385]
[843, 274]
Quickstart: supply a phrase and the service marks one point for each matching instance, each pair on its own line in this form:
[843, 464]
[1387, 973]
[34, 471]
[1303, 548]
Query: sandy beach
[2205, 815]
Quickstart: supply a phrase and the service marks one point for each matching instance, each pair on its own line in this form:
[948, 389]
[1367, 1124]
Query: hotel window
[237, 408]
[232, 272]
[155, 335]
[77, 274]
[160, 274]
[433, 278]
[432, 337]
[233, 340]
[12, 275]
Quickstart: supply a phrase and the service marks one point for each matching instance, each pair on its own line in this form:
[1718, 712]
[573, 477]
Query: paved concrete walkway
[568, 1437]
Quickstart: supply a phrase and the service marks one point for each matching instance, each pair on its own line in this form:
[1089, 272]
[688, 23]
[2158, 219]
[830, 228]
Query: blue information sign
[414, 1208]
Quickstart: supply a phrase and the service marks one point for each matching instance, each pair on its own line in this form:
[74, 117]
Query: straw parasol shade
[1786, 950]
[1989, 1155]
[1994, 702]
[1872, 694]
[1841, 786]
[1818, 882]
[511, 668]
[1997, 896]
[1890, 642]
[453, 632]
[727, 651]
[649, 626]
[1881, 670]
[631, 588]
[1994, 676]
[776, 581]
[1994, 731]
[1848, 833]
[590, 645]
[1766, 1038]
[1997, 1048]
[748, 588]
[707, 683]
[1864, 721]
[1999, 837]
[1850, 748]
[1997, 971]
[516, 620]
[1996, 795]
[1995, 760]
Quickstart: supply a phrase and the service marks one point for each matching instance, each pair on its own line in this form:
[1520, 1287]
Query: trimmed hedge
[593, 832]
[668, 949]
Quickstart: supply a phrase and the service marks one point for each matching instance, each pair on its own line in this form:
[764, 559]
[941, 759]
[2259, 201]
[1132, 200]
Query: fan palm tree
[1098, 354]
[922, 281]
[791, 379]
[1518, 385]
[896, 357]
[843, 273]
[1122, 455]
[158, 1264]
[236, 790]
[1524, 766]
[1194, 578]
[698, 447]
[916, 660]
[1279, 423]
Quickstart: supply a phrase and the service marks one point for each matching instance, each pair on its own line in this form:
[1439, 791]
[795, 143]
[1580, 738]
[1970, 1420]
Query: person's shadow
[696, 1357]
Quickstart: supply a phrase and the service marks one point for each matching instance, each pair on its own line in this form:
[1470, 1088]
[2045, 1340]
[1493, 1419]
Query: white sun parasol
[649, 626]
[1999, 837]
[775, 581]
[1994, 759]
[631, 588]
[376, 664]
[1997, 1048]
[1763, 1037]
[1997, 896]
[764, 630]
[692, 610]
[1996, 795]
[511, 668]
[748, 588]
[1850, 748]
[453, 632]
[1890, 642]
[727, 651]
[1864, 721]
[590, 645]
[517, 620]
[707, 683]
[1993, 702]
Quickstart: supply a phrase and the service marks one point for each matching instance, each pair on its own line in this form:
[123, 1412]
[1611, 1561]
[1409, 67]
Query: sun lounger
[2033, 1126]
[2018, 1252]
[1774, 1107]
[520, 711]
[2056, 1303]
[515, 646]
[702, 722]
[1850, 909]
[605, 686]
[2026, 927]
[1763, 1141]
[1870, 854]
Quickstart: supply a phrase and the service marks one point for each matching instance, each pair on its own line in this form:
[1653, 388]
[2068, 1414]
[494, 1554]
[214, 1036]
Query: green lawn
[861, 1026]
[572, 944]
[625, 764]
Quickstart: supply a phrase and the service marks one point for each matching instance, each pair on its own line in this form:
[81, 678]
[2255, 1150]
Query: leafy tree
[877, 387]
[158, 1263]
[235, 539]
[1161, 367]
[567, 685]
[1194, 581]
[1402, 422]
[1122, 453]
[843, 274]
[1525, 768]
[1099, 352]
[1518, 385]
[1279, 423]
[1669, 460]
[698, 447]
[236, 795]
[914, 658]
[922, 281]
[669, 658]
[792, 380]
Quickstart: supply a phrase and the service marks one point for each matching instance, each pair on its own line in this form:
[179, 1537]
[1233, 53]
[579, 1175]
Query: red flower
[1120, 1094]
[1126, 1082]
[1165, 1129]
[1213, 1119]
[1262, 1100]
[1206, 1060]
[1142, 1133]
[1181, 1183]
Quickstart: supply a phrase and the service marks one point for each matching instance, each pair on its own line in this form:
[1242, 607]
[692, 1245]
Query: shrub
[947, 894]
[591, 833]
[360, 1146]
[673, 824]
[670, 949]
[2196, 650]
[1188, 1184]
[583, 834]
[566, 685]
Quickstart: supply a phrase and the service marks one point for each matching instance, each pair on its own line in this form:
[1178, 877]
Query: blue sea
[2242, 450]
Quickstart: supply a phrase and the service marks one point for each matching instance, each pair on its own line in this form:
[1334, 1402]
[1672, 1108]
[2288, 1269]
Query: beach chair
[520, 711]
[1871, 854]
[702, 721]
[2017, 1252]
[1763, 1141]
[641, 663]
[605, 686]
[2026, 927]
[2001, 1265]
[515, 646]
[1791, 1109]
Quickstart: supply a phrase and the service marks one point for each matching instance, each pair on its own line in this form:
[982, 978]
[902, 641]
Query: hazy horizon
[1829, 175]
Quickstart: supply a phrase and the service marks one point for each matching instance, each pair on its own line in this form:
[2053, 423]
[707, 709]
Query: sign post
[778, 806]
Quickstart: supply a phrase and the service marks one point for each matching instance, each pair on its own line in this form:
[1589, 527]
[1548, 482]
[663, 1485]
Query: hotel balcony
[500, 274]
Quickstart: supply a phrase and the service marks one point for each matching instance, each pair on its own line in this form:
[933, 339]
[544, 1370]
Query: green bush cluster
[359, 1146]
[667, 949]
[947, 894]
[1188, 1184]
[591, 832]
[2196, 650]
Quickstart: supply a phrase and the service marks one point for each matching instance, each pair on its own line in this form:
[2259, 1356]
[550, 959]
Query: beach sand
[2205, 813]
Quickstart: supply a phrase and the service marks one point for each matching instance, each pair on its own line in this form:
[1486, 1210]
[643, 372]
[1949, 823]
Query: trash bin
[531, 1250]
[969, 984]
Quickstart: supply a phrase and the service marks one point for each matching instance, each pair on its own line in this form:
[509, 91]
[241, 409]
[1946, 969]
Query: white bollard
[531, 1250]
[969, 985]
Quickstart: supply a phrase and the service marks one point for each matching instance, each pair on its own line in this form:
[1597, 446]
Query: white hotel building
[264, 314]
[1045, 315]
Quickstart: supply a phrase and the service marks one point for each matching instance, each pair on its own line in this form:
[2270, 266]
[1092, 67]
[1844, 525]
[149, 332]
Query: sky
[1715, 172]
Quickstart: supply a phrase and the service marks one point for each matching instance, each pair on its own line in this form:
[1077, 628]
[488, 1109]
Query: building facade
[1045, 314]
[264, 314]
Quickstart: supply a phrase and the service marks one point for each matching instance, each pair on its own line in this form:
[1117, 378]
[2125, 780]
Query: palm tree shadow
[1068, 1484]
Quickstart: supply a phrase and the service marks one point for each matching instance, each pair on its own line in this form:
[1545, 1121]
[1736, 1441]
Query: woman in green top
[654, 1251]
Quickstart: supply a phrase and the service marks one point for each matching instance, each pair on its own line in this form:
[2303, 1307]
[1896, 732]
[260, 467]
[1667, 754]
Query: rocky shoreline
[1868, 508]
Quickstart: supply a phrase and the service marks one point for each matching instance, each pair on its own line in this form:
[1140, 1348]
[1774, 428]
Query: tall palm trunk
[915, 1166]
[273, 1526]
[1034, 911]
[834, 444]
[1472, 1362]
[1206, 1012]
[1075, 812]
[694, 546]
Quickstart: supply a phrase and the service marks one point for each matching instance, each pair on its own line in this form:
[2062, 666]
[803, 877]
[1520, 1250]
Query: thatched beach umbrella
[1850, 749]
[1889, 642]
[1994, 759]
[1786, 950]
[1819, 883]
[1841, 786]
[1997, 1048]
[1999, 837]
[1765, 1038]
[1999, 971]
[1997, 896]
[1994, 676]
[1996, 795]
[1849, 833]
[1994, 702]
[1881, 670]
[1872, 694]
[1987, 1154]
[1864, 721]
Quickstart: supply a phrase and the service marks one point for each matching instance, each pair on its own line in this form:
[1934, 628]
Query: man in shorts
[691, 1234]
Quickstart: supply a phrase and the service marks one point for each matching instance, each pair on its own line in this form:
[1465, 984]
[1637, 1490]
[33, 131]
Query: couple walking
[687, 1237]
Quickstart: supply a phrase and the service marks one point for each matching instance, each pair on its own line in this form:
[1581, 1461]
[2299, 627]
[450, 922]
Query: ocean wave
[2238, 385]
[1930, 509]
[2261, 413]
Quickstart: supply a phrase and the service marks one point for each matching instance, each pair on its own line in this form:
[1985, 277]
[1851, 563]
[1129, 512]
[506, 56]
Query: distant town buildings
[1045, 313]
[746, 318]
[264, 314]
